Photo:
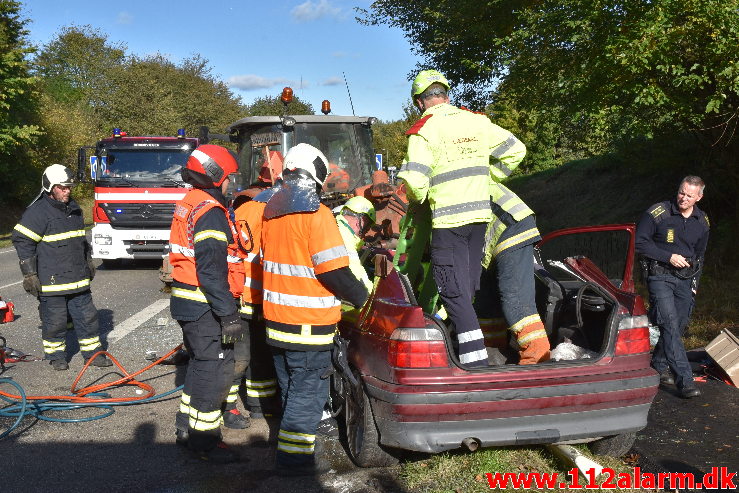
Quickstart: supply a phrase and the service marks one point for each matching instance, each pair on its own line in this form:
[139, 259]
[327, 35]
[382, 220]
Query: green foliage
[581, 77]
[18, 104]
[390, 139]
[272, 105]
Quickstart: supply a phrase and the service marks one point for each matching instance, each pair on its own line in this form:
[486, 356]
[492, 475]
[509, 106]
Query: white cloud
[310, 11]
[251, 82]
[333, 81]
[124, 18]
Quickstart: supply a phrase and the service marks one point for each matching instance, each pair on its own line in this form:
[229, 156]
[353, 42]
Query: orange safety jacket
[300, 313]
[249, 220]
[182, 246]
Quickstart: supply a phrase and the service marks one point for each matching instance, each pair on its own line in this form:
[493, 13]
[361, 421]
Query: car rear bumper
[448, 435]
[428, 418]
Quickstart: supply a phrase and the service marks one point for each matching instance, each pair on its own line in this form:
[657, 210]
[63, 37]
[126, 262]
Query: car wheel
[363, 440]
[613, 446]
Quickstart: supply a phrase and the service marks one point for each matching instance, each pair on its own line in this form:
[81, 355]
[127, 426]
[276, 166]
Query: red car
[399, 383]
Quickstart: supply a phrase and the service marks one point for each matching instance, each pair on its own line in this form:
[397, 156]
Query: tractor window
[347, 149]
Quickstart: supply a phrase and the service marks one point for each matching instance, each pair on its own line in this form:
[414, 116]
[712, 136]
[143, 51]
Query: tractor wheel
[613, 446]
[362, 435]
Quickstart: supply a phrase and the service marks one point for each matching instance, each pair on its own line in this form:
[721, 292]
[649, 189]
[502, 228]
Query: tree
[18, 104]
[272, 105]
[76, 66]
[606, 71]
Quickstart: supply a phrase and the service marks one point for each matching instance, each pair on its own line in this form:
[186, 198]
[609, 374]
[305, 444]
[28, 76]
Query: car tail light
[633, 335]
[99, 215]
[417, 348]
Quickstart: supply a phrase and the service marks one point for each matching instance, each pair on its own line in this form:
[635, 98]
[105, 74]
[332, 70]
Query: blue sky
[256, 47]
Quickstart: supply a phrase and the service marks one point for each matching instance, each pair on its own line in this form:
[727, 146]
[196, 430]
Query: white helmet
[309, 159]
[56, 174]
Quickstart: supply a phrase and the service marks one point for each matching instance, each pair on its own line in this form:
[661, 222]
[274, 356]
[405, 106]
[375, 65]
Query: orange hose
[80, 394]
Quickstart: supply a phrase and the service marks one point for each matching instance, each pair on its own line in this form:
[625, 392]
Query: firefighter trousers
[208, 378]
[260, 378]
[56, 312]
[456, 254]
[242, 357]
[304, 394]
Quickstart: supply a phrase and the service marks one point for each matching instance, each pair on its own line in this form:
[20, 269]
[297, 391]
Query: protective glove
[91, 266]
[533, 343]
[231, 329]
[32, 284]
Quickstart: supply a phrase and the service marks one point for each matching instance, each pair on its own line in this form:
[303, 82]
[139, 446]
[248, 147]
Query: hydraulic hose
[22, 405]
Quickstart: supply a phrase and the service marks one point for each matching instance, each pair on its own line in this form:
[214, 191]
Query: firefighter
[305, 272]
[672, 237]
[260, 380]
[57, 267]
[448, 163]
[356, 217]
[202, 299]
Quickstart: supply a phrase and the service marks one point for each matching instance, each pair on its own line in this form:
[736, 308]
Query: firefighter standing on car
[202, 299]
[448, 163]
[55, 259]
[305, 269]
[672, 237]
[260, 380]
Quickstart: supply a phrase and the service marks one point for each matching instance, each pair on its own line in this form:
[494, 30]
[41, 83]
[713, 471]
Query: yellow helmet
[424, 79]
[360, 205]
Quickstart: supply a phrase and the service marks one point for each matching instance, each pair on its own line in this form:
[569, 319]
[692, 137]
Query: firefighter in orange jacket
[202, 302]
[305, 272]
[260, 380]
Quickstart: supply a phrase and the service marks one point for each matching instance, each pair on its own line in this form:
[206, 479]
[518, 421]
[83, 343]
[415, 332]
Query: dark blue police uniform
[661, 232]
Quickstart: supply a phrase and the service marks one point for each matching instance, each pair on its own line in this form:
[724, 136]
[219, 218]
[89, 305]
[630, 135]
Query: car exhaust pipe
[471, 444]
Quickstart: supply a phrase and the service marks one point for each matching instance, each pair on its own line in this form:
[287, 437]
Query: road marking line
[135, 321]
[8, 250]
[11, 284]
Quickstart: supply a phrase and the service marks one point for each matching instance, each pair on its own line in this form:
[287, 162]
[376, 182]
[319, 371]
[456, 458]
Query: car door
[610, 247]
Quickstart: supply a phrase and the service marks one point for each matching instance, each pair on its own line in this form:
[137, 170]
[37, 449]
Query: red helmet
[209, 166]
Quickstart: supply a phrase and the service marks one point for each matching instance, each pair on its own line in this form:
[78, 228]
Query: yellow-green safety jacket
[449, 162]
[353, 244]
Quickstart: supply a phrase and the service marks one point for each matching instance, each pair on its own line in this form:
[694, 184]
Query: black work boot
[666, 378]
[221, 454]
[59, 364]
[235, 420]
[181, 437]
[101, 361]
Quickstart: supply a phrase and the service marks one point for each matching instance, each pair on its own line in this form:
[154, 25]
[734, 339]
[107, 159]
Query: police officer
[672, 237]
[448, 163]
[57, 268]
[202, 299]
[305, 272]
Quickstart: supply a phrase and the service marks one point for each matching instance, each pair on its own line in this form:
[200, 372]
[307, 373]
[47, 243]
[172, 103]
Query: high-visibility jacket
[353, 243]
[209, 280]
[249, 223]
[54, 232]
[448, 162]
[508, 228]
[300, 313]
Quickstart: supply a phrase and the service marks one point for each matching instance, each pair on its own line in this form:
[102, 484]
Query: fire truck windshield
[159, 166]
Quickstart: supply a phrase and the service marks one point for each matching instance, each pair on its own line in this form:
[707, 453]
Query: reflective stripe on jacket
[55, 233]
[300, 312]
[448, 162]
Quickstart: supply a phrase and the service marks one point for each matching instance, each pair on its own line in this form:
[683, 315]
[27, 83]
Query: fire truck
[136, 183]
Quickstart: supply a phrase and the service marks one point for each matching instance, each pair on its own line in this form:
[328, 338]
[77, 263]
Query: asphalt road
[133, 450]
